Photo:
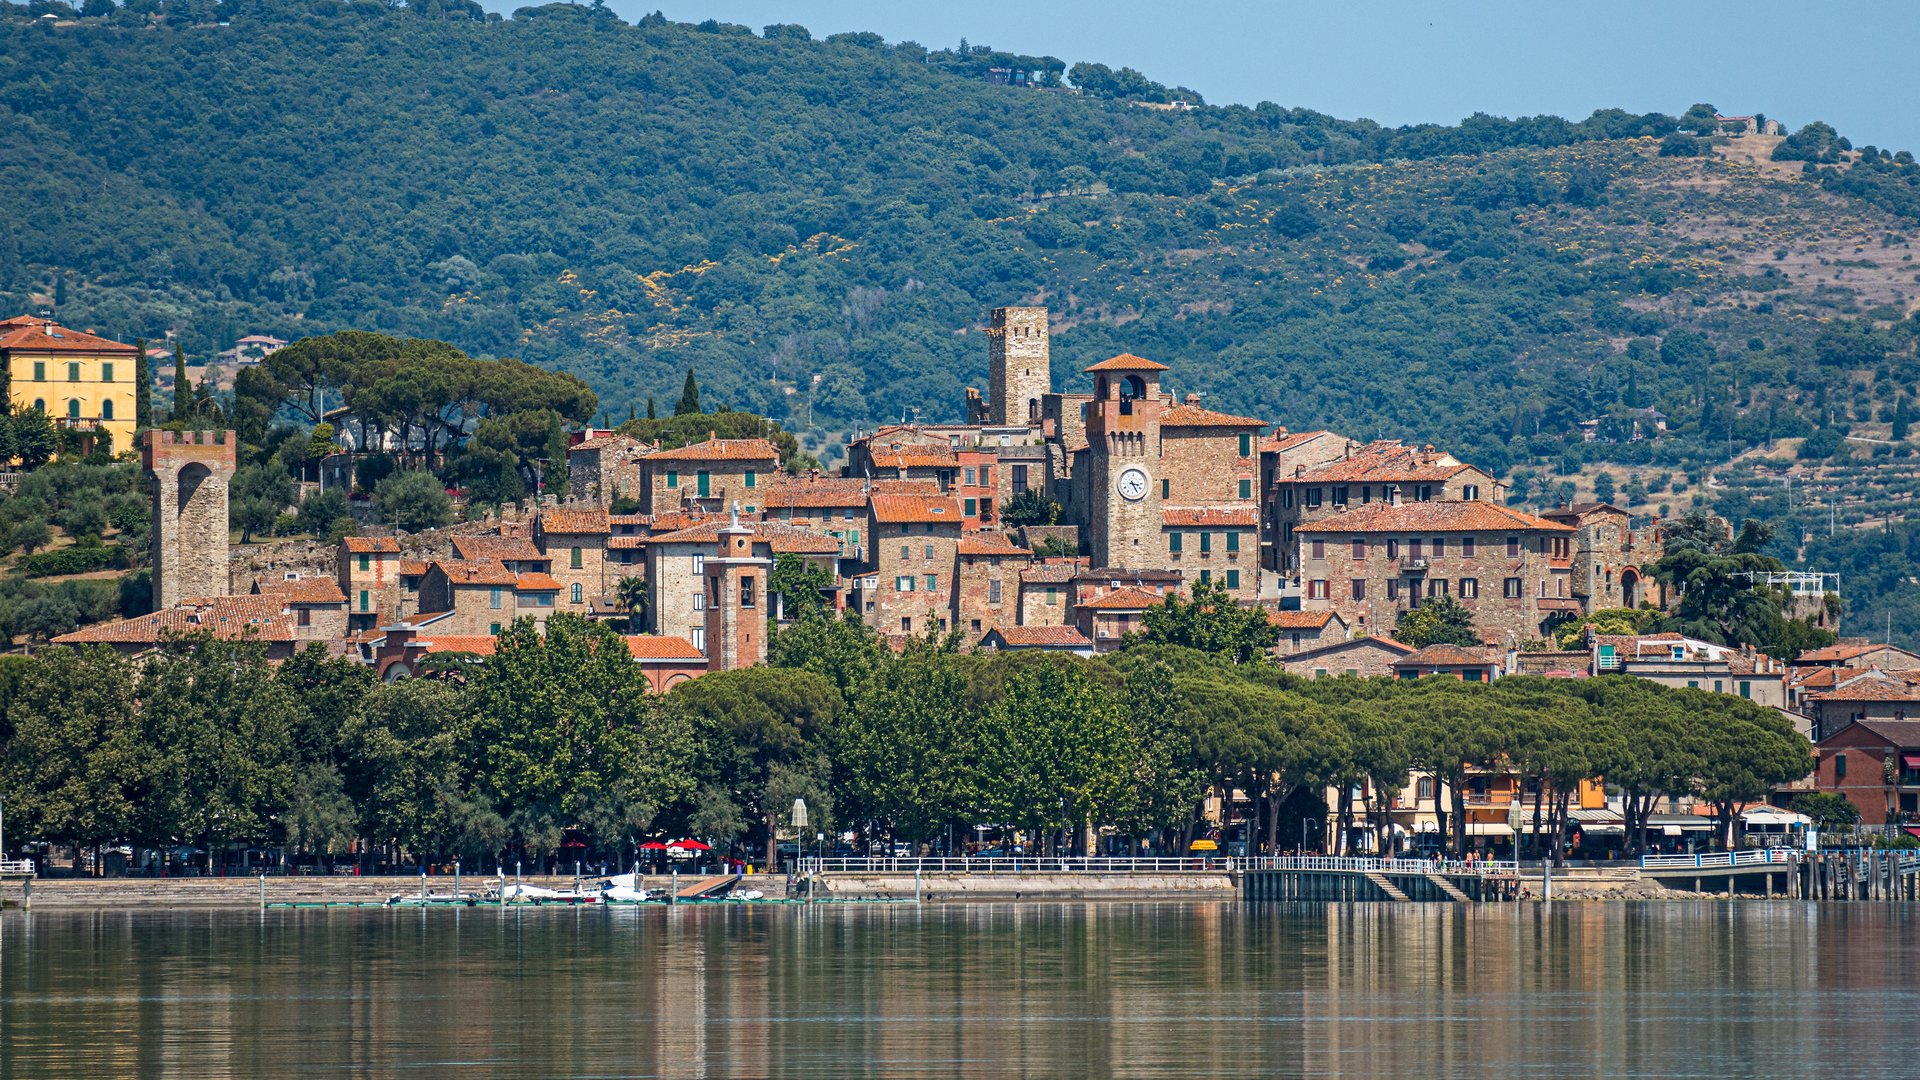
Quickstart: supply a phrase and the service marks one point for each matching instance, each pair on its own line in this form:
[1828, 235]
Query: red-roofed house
[1476, 663]
[1377, 473]
[907, 583]
[1361, 656]
[987, 580]
[1874, 764]
[710, 475]
[82, 381]
[368, 570]
[262, 618]
[575, 544]
[1303, 630]
[1040, 638]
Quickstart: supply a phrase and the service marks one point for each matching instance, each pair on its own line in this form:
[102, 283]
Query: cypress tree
[142, 388]
[689, 402]
[650, 414]
[182, 388]
[556, 476]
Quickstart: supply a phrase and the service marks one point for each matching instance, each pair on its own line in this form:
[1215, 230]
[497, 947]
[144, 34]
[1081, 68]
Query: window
[699, 565]
[1206, 542]
[73, 372]
[1318, 549]
[1233, 541]
[746, 591]
[1313, 498]
[1413, 593]
[1423, 493]
[493, 597]
[1359, 588]
[903, 583]
[1206, 576]
[1358, 550]
[703, 483]
[73, 408]
[906, 624]
[1413, 549]
[1436, 587]
[1019, 479]
[1340, 496]
[698, 635]
[700, 600]
[1692, 684]
[1840, 766]
[1466, 547]
[906, 552]
[969, 481]
[1423, 790]
[1317, 589]
[366, 563]
[1246, 489]
[578, 596]
[1470, 492]
[929, 547]
[1286, 498]
[1439, 546]
[1233, 579]
[1469, 588]
[986, 476]
[1719, 686]
[1513, 547]
[971, 507]
[1543, 588]
[749, 478]
[1173, 543]
[364, 606]
[40, 404]
[1746, 689]
[1246, 447]
[1393, 588]
[993, 591]
[39, 371]
[1053, 594]
[1393, 549]
[106, 409]
[1166, 489]
[1366, 493]
[494, 629]
[673, 479]
[1511, 588]
[106, 372]
[933, 582]
[573, 558]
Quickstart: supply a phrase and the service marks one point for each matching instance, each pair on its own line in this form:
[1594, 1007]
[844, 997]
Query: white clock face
[1133, 483]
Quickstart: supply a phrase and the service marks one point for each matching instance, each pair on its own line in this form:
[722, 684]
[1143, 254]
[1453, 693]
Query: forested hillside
[825, 224]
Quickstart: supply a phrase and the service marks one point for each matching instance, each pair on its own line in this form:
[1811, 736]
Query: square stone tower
[1125, 481]
[736, 600]
[1017, 364]
[191, 471]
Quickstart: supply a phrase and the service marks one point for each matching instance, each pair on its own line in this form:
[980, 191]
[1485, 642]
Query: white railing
[17, 867]
[1035, 864]
[1708, 860]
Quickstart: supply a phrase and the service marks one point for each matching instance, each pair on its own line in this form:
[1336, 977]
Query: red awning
[1911, 761]
[1913, 830]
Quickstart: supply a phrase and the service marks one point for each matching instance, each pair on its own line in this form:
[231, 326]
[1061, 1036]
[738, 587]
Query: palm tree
[632, 596]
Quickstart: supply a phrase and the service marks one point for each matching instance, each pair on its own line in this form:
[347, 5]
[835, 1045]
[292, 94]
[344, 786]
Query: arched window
[106, 409]
[40, 404]
[73, 408]
[577, 591]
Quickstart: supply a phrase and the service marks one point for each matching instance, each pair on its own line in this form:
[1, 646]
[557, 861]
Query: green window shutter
[1206, 542]
[39, 371]
[1246, 489]
[366, 562]
[1246, 448]
[703, 482]
[1233, 579]
[1173, 544]
[106, 372]
[972, 507]
[1233, 541]
[673, 479]
[573, 560]
[749, 478]
[363, 600]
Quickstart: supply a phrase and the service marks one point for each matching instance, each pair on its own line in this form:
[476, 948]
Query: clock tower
[1123, 447]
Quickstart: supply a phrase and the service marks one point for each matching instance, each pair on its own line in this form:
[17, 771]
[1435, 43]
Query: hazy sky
[1849, 62]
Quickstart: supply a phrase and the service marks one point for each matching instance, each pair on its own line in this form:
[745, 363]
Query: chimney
[1393, 495]
[1193, 399]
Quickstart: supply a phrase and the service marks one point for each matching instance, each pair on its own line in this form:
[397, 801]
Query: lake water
[1040, 990]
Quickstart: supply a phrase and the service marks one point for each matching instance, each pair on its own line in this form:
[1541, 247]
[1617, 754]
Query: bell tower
[1123, 443]
[736, 584]
[1018, 364]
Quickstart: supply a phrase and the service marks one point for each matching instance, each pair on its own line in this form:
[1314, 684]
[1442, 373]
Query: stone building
[575, 544]
[81, 381]
[907, 582]
[1108, 618]
[1215, 544]
[475, 597]
[191, 471]
[266, 619]
[1364, 657]
[368, 572]
[1303, 630]
[1018, 364]
[606, 467]
[736, 599]
[1608, 554]
[1369, 564]
[315, 604]
[708, 476]
[986, 583]
[1046, 594]
[1378, 472]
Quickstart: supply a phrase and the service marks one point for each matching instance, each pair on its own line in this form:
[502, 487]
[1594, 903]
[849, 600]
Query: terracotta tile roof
[922, 456]
[629, 521]
[575, 522]
[1836, 653]
[1334, 648]
[1210, 516]
[371, 545]
[1299, 620]
[983, 543]
[1433, 517]
[745, 450]
[602, 442]
[302, 590]
[1125, 574]
[1124, 598]
[777, 535]
[1882, 689]
[1184, 415]
[422, 618]
[628, 543]
[30, 334]
[674, 520]
[475, 572]
[1579, 510]
[1382, 462]
[1821, 678]
[1449, 656]
[662, 647]
[1282, 441]
[830, 492]
[413, 567]
[900, 509]
[1125, 362]
[536, 583]
[1048, 575]
[799, 542]
[477, 644]
[921, 485]
[1042, 637]
[228, 617]
[496, 549]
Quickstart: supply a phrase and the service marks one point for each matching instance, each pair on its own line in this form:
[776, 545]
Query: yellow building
[83, 382]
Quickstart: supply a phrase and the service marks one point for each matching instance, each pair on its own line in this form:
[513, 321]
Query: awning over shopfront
[1910, 761]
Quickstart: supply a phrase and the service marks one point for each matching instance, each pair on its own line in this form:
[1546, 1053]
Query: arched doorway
[1629, 587]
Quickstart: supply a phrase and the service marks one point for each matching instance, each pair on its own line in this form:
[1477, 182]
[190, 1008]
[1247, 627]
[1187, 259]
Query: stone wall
[190, 471]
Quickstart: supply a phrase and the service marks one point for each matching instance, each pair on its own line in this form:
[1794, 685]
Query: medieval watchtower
[1017, 364]
[191, 471]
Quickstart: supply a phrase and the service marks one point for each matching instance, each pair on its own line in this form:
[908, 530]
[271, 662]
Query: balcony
[1413, 566]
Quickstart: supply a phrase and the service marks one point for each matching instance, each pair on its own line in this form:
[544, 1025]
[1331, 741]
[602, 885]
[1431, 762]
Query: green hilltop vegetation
[819, 227]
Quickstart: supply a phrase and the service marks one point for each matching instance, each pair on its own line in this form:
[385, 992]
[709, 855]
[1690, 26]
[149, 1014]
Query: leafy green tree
[1679, 145]
[908, 751]
[1441, 620]
[31, 535]
[321, 443]
[259, 494]
[319, 817]
[800, 585]
[556, 475]
[320, 510]
[413, 501]
[1030, 507]
[1747, 750]
[75, 760]
[1828, 811]
[631, 593]
[1453, 727]
[844, 650]
[1059, 749]
[34, 439]
[689, 403]
[1212, 621]
[1603, 489]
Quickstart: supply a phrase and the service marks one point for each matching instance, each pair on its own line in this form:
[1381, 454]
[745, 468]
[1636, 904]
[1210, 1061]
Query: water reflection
[990, 990]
